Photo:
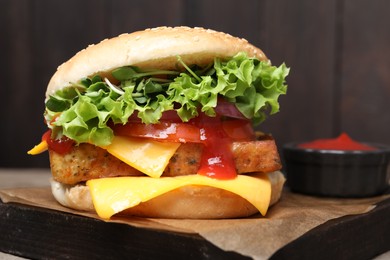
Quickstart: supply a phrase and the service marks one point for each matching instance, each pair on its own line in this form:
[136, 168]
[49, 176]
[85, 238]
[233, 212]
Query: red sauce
[342, 142]
[217, 157]
[61, 146]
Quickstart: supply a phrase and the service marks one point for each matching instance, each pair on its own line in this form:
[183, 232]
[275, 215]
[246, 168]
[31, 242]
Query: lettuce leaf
[82, 111]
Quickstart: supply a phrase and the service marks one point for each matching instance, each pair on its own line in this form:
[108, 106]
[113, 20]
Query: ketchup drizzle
[61, 146]
[217, 160]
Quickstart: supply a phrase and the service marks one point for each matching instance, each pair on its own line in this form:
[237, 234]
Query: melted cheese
[148, 156]
[39, 148]
[113, 195]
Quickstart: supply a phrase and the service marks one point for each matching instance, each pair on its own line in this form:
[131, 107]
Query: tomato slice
[239, 129]
[164, 131]
[236, 129]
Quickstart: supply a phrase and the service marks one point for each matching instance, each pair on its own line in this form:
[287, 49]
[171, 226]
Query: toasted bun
[152, 48]
[196, 202]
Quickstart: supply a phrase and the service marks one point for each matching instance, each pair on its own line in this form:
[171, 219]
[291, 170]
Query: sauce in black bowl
[338, 173]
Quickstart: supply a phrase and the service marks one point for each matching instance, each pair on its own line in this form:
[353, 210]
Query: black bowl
[337, 173]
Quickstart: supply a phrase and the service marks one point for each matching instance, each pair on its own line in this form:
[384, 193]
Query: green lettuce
[82, 111]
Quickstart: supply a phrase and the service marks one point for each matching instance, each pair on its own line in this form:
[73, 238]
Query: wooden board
[40, 233]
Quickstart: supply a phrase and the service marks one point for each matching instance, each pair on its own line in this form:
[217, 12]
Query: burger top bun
[152, 48]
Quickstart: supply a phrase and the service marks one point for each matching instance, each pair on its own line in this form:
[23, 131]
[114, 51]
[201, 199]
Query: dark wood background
[338, 51]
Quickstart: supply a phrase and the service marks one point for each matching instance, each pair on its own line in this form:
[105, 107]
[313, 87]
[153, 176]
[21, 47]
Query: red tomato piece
[239, 129]
[164, 131]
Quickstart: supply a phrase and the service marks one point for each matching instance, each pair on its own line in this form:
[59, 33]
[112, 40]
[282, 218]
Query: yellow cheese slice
[113, 195]
[148, 156]
[39, 148]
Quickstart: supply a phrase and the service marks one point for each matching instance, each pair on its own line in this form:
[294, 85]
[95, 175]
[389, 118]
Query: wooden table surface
[12, 178]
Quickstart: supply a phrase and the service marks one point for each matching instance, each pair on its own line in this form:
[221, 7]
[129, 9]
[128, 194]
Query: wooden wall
[338, 51]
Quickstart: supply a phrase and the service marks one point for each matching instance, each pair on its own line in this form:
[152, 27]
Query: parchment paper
[257, 237]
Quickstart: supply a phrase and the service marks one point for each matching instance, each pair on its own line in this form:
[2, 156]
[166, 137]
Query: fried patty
[87, 161]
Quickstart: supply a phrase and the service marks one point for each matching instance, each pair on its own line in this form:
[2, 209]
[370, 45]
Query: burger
[160, 123]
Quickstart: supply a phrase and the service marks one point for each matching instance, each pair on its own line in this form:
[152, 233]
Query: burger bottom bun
[196, 202]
